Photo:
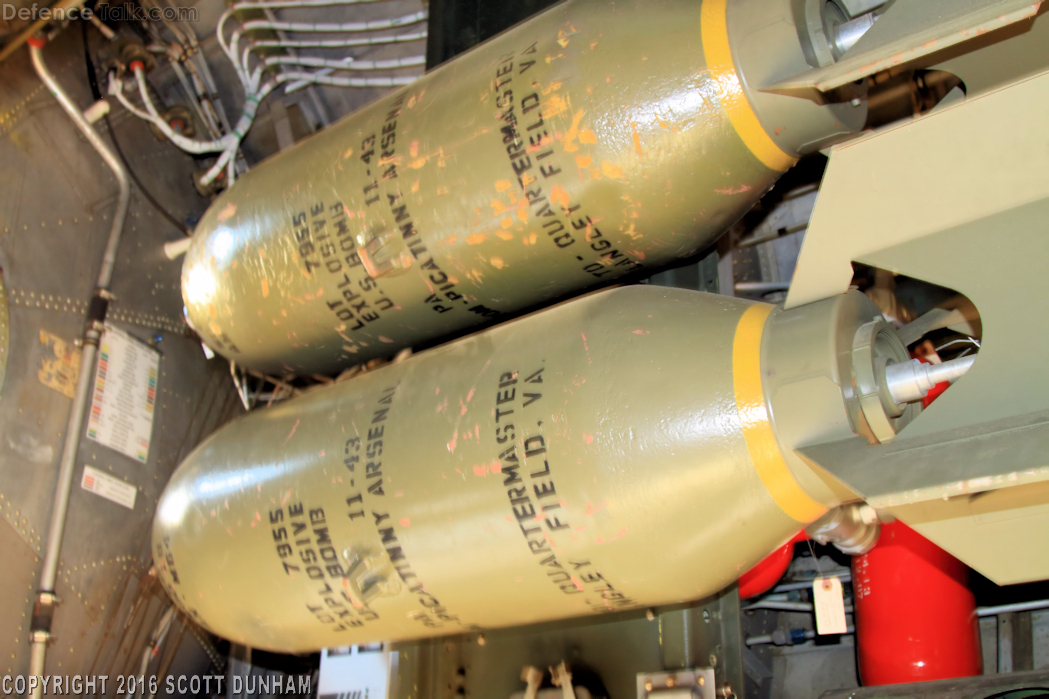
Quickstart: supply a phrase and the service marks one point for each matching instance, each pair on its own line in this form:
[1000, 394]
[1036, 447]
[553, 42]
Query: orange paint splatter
[481, 470]
[502, 185]
[734, 190]
[583, 161]
[592, 509]
[227, 211]
[573, 133]
[498, 263]
[292, 433]
[556, 104]
[405, 522]
[476, 239]
[559, 196]
[611, 171]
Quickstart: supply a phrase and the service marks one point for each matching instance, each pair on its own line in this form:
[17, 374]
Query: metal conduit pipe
[43, 610]
[62, 8]
[786, 606]
[807, 585]
[791, 637]
[1015, 607]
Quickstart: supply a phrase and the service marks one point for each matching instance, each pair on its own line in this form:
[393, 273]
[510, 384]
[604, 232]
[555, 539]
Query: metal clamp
[43, 612]
[46, 597]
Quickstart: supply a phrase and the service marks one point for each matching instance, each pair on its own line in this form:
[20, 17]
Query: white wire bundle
[255, 90]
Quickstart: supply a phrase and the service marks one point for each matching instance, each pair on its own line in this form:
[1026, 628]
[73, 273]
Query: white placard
[125, 394]
[829, 604]
[110, 488]
[356, 672]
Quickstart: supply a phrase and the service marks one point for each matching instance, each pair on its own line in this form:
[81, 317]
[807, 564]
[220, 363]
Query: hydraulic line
[40, 628]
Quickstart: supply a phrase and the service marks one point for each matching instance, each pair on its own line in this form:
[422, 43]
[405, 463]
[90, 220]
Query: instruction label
[101, 483]
[125, 395]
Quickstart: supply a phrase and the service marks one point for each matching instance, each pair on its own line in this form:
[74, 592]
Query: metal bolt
[701, 680]
[671, 681]
[481, 640]
[650, 614]
[648, 686]
[713, 660]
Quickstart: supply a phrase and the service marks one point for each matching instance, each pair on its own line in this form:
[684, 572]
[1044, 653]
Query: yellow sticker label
[59, 364]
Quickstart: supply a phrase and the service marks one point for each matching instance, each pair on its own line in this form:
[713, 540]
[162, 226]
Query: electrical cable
[347, 64]
[252, 80]
[338, 43]
[96, 93]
